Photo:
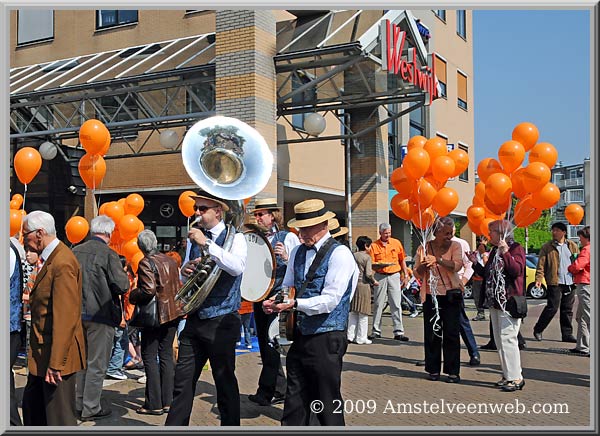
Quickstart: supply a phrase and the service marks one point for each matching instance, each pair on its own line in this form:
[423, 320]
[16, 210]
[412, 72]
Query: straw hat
[265, 204]
[207, 196]
[335, 229]
[308, 213]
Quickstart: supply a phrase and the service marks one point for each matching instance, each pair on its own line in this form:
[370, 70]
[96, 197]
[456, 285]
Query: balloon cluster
[420, 181]
[95, 139]
[16, 214]
[506, 178]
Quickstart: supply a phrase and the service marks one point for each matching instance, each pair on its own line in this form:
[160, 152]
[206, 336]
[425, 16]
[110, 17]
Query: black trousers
[201, 340]
[447, 339]
[314, 372]
[15, 344]
[558, 298]
[46, 404]
[158, 342]
[272, 377]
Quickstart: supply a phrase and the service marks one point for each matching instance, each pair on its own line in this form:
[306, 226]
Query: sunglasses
[203, 209]
[259, 214]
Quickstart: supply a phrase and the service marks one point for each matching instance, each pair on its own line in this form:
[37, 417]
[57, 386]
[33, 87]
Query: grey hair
[505, 228]
[102, 225]
[147, 241]
[40, 220]
[384, 226]
[444, 221]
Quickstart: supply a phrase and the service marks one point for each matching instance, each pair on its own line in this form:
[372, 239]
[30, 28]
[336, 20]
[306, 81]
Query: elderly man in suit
[57, 349]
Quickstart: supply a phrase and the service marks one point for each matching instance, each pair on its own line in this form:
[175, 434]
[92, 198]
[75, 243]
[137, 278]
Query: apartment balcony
[570, 183]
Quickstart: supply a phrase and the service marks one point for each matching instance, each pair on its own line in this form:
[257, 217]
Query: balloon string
[23, 207]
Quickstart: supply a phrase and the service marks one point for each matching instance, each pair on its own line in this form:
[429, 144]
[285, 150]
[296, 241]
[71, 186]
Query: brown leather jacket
[158, 274]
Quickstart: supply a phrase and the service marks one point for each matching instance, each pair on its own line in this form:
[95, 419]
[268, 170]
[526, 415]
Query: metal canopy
[331, 62]
[146, 87]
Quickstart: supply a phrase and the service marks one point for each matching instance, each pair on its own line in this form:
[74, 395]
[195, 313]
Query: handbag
[145, 315]
[516, 306]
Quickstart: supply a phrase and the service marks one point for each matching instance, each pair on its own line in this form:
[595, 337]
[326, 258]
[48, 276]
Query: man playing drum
[271, 383]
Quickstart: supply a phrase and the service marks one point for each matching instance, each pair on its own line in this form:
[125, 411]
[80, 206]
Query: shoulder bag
[146, 315]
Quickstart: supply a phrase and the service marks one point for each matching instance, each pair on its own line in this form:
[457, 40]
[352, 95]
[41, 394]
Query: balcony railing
[567, 183]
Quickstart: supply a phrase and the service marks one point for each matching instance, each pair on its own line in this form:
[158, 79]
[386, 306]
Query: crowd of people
[83, 315]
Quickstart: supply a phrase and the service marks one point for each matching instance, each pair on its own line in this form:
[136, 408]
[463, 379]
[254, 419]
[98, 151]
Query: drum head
[259, 275]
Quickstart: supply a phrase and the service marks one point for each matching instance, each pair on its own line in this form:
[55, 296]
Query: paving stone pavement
[381, 383]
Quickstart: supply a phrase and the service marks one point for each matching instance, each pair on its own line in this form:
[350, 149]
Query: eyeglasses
[31, 231]
[259, 214]
[203, 209]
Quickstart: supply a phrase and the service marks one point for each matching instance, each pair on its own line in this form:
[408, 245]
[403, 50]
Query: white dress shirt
[232, 262]
[341, 269]
[48, 251]
[466, 271]
[290, 242]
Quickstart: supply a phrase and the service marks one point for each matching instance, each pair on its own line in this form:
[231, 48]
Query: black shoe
[259, 399]
[578, 352]
[375, 335]
[102, 414]
[144, 411]
[453, 379]
[523, 346]
[401, 338]
[434, 377]
[512, 386]
[537, 336]
[278, 398]
[475, 361]
[488, 346]
[420, 363]
[571, 339]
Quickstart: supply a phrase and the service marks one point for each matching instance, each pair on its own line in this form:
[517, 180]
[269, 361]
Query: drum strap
[325, 248]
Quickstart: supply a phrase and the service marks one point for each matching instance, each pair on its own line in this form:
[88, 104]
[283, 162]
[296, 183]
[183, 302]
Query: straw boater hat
[335, 229]
[265, 204]
[308, 213]
[207, 196]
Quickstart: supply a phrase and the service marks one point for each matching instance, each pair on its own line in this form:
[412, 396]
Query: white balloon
[169, 139]
[48, 150]
[314, 124]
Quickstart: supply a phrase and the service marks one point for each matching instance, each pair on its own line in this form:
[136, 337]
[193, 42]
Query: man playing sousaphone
[324, 275]
[212, 330]
[271, 383]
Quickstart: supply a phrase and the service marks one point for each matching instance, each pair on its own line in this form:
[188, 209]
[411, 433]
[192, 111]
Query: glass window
[201, 98]
[461, 87]
[34, 26]
[461, 23]
[441, 13]
[115, 17]
[302, 98]
[464, 176]
[573, 174]
[441, 74]
[417, 122]
[394, 157]
[575, 195]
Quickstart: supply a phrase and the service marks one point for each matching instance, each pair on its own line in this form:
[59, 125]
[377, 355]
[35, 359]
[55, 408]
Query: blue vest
[16, 296]
[280, 266]
[337, 320]
[225, 296]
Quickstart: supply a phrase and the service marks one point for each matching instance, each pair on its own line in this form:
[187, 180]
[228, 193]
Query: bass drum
[259, 275]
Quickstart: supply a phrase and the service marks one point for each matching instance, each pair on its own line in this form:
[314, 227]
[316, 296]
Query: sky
[534, 66]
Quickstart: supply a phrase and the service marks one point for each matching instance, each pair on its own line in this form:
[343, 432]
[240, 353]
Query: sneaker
[365, 342]
[118, 375]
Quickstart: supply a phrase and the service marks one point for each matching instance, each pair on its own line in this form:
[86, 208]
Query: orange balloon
[416, 142]
[115, 211]
[134, 204]
[543, 152]
[128, 226]
[574, 213]
[105, 148]
[442, 168]
[27, 163]
[135, 260]
[525, 213]
[415, 163]
[435, 147]
[401, 207]
[186, 203]
[19, 199]
[479, 193]
[423, 220]
[518, 183]
[535, 176]
[546, 197]
[495, 210]
[130, 248]
[424, 194]
[102, 209]
[484, 227]
[527, 134]
[445, 201]
[475, 214]
[511, 155]
[140, 227]
[92, 169]
[121, 202]
[402, 183]
[461, 161]
[93, 136]
[14, 204]
[475, 227]
[498, 188]
[77, 229]
[16, 217]
[487, 167]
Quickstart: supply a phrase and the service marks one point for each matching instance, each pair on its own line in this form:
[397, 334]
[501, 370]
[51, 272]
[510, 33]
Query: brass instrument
[230, 160]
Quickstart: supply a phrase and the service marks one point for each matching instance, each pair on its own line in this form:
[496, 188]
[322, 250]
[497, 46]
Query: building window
[302, 98]
[34, 26]
[557, 177]
[114, 17]
[417, 122]
[573, 174]
[461, 86]
[464, 176]
[201, 98]
[440, 13]
[119, 108]
[394, 152]
[441, 74]
[461, 23]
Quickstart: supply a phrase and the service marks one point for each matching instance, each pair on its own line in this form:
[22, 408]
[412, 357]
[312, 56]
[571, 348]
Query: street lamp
[48, 150]
[314, 124]
[169, 139]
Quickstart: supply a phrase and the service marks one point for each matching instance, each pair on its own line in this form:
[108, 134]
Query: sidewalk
[379, 376]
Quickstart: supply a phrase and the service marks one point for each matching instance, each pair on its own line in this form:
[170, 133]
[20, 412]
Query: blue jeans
[246, 318]
[467, 334]
[119, 351]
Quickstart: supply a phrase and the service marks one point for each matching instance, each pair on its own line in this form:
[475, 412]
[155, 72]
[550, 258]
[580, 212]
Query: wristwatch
[208, 243]
[440, 260]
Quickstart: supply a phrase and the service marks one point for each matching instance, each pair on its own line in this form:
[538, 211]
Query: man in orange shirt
[388, 253]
